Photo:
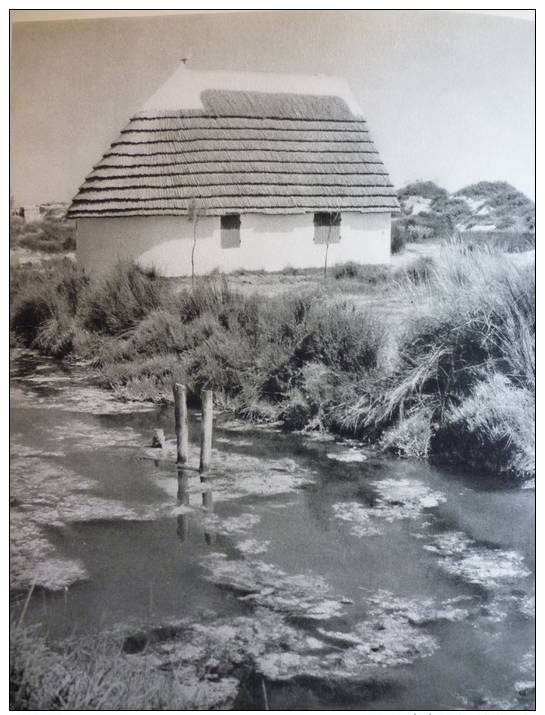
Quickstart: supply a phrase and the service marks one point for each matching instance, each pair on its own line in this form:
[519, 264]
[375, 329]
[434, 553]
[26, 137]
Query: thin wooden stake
[265, 698]
[206, 430]
[180, 418]
[27, 601]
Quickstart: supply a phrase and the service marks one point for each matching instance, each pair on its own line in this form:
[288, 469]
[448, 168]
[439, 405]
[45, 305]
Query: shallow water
[369, 583]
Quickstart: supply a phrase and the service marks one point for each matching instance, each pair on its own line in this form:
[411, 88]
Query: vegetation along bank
[436, 360]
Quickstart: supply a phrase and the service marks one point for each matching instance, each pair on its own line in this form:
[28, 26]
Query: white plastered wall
[269, 242]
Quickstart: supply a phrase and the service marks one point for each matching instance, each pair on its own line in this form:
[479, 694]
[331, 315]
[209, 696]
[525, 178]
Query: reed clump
[91, 673]
[468, 347]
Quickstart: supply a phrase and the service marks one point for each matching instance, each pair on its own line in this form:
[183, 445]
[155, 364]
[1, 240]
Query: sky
[448, 96]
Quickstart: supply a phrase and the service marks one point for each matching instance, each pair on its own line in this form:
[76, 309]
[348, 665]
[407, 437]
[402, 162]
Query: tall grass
[44, 306]
[119, 300]
[91, 674]
[472, 332]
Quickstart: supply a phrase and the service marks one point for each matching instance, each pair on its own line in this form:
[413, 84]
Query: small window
[327, 227]
[230, 231]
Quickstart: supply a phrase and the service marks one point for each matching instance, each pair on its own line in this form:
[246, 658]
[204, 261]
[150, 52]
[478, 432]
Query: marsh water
[369, 583]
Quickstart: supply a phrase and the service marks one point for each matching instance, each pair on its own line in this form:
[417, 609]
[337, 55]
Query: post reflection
[182, 528]
[208, 504]
[184, 498]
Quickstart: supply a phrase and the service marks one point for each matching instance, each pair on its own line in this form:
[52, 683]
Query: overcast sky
[448, 96]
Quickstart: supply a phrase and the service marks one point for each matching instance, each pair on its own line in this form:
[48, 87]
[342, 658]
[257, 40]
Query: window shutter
[327, 227]
[230, 231]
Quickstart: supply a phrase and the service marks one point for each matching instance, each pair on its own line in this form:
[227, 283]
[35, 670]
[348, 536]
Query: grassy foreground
[450, 377]
[94, 673]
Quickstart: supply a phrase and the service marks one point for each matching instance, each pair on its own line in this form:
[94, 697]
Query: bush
[55, 336]
[411, 435]
[371, 274]
[474, 309]
[341, 337]
[289, 271]
[347, 270]
[296, 412]
[44, 306]
[474, 318]
[119, 300]
[220, 362]
[493, 429]
[48, 236]
[210, 295]
[148, 378]
[160, 331]
[398, 238]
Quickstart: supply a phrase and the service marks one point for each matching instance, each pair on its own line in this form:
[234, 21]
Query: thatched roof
[240, 152]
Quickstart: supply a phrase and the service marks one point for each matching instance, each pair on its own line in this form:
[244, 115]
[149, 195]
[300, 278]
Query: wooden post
[206, 430]
[158, 439]
[180, 418]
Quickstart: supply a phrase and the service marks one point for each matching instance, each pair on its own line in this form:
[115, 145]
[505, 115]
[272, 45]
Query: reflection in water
[183, 486]
[183, 497]
[208, 504]
[207, 500]
[182, 529]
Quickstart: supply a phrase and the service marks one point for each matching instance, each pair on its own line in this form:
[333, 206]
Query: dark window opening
[230, 231]
[327, 227]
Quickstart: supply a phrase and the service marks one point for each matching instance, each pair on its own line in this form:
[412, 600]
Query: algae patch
[34, 561]
[358, 516]
[350, 456]
[235, 476]
[396, 499]
[490, 568]
[306, 596]
[230, 525]
[252, 546]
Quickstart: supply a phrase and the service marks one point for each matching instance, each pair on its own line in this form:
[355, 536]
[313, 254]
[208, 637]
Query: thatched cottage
[257, 170]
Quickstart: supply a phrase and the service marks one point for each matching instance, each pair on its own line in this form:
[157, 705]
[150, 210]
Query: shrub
[347, 270]
[49, 235]
[149, 378]
[371, 274]
[296, 412]
[412, 434]
[45, 302]
[116, 302]
[210, 295]
[289, 271]
[160, 331]
[398, 237]
[492, 429]
[220, 362]
[426, 189]
[55, 336]
[341, 337]
[473, 316]
[277, 324]
[474, 308]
